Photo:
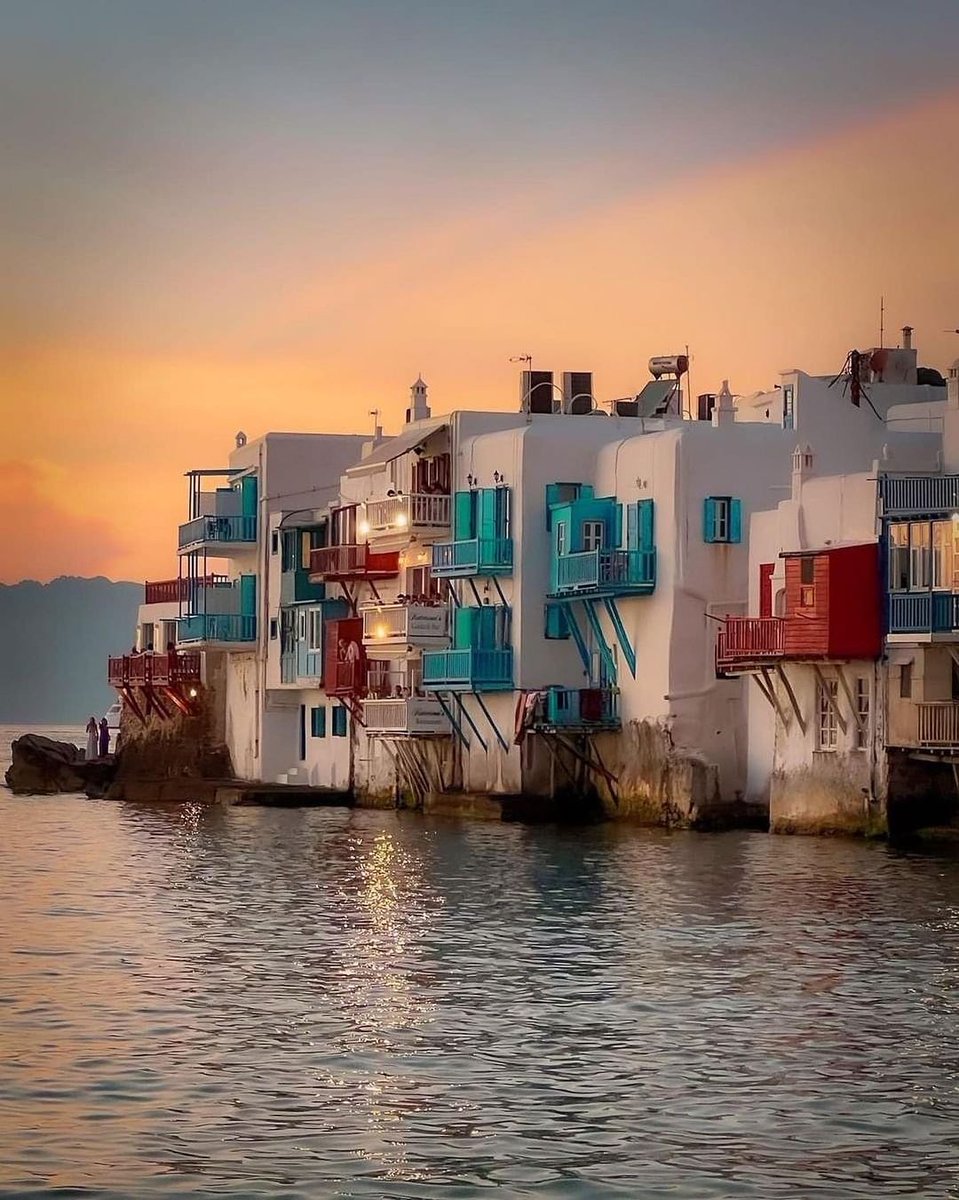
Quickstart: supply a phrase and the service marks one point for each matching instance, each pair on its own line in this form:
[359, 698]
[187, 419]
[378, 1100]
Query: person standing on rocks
[104, 737]
[92, 738]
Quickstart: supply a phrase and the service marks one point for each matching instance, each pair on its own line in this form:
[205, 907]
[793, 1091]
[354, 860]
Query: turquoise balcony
[217, 533]
[216, 627]
[468, 670]
[295, 587]
[473, 556]
[924, 612]
[580, 709]
[604, 572]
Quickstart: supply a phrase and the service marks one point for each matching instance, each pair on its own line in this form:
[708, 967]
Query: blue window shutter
[709, 519]
[489, 505]
[646, 532]
[248, 595]
[486, 622]
[632, 526]
[463, 628]
[503, 500]
[463, 510]
[339, 721]
[735, 520]
[616, 532]
[556, 624]
[318, 722]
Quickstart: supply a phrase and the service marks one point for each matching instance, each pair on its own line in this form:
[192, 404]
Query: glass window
[944, 558]
[905, 681]
[318, 722]
[828, 692]
[920, 574]
[339, 721]
[562, 534]
[316, 629]
[899, 557]
[788, 406]
[593, 535]
[862, 710]
[807, 569]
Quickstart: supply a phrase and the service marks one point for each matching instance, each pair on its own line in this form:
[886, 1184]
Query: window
[339, 721]
[562, 538]
[274, 541]
[593, 535]
[807, 569]
[274, 629]
[945, 560]
[862, 711]
[316, 629]
[557, 626]
[920, 575]
[722, 519]
[318, 722]
[905, 681]
[289, 560]
[788, 406]
[899, 558]
[301, 627]
[828, 691]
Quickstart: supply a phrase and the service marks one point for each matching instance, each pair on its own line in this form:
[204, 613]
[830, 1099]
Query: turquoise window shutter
[557, 626]
[487, 513]
[248, 595]
[503, 501]
[463, 509]
[735, 520]
[463, 620]
[644, 514]
[486, 625]
[248, 495]
[339, 721]
[632, 526]
[318, 722]
[709, 519]
[616, 532]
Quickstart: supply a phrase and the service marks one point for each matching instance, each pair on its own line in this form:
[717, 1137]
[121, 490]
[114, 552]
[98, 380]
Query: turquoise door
[248, 595]
[248, 496]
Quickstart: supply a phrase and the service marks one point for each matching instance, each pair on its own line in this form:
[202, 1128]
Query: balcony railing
[406, 625]
[225, 530]
[468, 670]
[938, 724]
[397, 514]
[606, 570]
[923, 612]
[744, 640]
[928, 494]
[412, 716]
[353, 562]
[580, 708]
[167, 669]
[175, 591]
[216, 627]
[474, 556]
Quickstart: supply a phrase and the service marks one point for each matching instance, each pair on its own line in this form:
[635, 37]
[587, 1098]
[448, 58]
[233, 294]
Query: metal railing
[474, 556]
[589, 569]
[938, 724]
[398, 513]
[582, 708]
[217, 529]
[138, 670]
[923, 612]
[919, 494]
[216, 627]
[747, 639]
[173, 591]
[477, 670]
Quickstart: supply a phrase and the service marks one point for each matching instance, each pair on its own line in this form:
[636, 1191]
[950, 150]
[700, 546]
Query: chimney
[725, 411]
[419, 408]
[907, 337]
[802, 469]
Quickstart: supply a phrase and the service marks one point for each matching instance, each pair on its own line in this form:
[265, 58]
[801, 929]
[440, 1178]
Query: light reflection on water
[308, 1003]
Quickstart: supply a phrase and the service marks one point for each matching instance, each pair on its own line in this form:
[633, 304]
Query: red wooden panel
[343, 677]
[855, 611]
[766, 589]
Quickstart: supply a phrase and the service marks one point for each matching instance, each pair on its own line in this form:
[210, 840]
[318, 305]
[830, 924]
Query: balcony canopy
[398, 446]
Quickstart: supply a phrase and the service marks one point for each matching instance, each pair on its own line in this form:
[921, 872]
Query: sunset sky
[230, 215]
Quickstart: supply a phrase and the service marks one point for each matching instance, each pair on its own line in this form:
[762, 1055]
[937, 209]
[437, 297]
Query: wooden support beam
[461, 707]
[827, 692]
[781, 672]
[856, 716]
[492, 724]
[765, 684]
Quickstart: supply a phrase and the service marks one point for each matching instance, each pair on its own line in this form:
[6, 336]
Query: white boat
[113, 720]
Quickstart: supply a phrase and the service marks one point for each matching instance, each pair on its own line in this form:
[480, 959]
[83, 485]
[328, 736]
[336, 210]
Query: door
[302, 733]
[766, 589]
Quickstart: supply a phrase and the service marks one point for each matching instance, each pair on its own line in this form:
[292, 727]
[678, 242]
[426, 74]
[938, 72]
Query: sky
[232, 215]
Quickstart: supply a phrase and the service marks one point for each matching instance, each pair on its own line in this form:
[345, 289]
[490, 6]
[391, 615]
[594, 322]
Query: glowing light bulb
[364, 527]
[402, 520]
[192, 693]
[380, 631]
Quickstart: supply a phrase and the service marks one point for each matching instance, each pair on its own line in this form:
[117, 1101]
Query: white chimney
[419, 408]
[907, 337]
[802, 469]
[725, 411]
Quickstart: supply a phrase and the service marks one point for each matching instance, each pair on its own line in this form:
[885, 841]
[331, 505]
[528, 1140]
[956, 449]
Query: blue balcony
[604, 572]
[295, 587]
[473, 556]
[586, 709]
[217, 533]
[923, 612]
[216, 627]
[468, 670]
[919, 495]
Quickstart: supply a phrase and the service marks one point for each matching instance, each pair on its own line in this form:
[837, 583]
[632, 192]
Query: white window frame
[827, 727]
[315, 618]
[722, 518]
[561, 538]
[863, 711]
[594, 535]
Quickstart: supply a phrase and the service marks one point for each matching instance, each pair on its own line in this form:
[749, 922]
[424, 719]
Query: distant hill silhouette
[54, 642]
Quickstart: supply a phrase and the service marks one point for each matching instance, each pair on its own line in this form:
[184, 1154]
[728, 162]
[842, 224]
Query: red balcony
[141, 670]
[352, 562]
[175, 591]
[749, 642]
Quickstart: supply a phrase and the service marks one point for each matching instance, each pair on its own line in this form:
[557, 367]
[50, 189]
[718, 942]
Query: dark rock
[42, 767]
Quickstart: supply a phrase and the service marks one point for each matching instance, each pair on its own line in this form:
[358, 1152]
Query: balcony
[142, 670]
[938, 725]
[746, 643]
[413, 716]
[177, 591]
[353, 562]
[605, 572]
[425, 626]
[468, 670]
[217, 627]
[475, 556]
[584, 709]
[218, 535]
[924, 612]
[926, 495]
[419, 514]
[296, 587]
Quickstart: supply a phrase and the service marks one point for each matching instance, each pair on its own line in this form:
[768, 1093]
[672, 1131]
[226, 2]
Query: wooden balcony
[412, 716]
[923, 613]
[938, 725]
[749, 644]
[177, 591]
[604, 572]
[160, 669]
[419, 514]
[352, 562]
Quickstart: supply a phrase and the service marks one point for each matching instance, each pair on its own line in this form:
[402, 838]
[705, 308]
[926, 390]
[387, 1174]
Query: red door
[766, 589]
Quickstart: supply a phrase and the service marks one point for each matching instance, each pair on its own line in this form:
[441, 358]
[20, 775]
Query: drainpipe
[263, 631]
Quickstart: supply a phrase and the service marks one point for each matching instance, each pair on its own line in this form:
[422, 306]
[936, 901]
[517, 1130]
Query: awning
[396, 447]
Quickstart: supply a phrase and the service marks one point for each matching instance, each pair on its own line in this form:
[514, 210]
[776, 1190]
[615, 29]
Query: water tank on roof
[668, 364]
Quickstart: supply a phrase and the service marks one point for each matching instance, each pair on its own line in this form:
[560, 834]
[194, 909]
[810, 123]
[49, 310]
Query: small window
[557, 627]
[862, 711]
[828, 731]
[562, 539]
[339, 721]
[318, 722]
[301, 627]
[274, 541]
[905, 681]
[274, 629]
[788, 406]
[807, 569]
[807, 597]
[722, 519]
[593, 535]
[316, 629]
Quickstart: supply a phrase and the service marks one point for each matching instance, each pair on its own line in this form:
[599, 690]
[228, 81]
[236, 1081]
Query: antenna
[882, 319]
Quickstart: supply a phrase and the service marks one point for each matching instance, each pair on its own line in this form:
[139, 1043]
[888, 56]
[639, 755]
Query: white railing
[398, 513]
[938, 724]
[413, 715]
[406, 624]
